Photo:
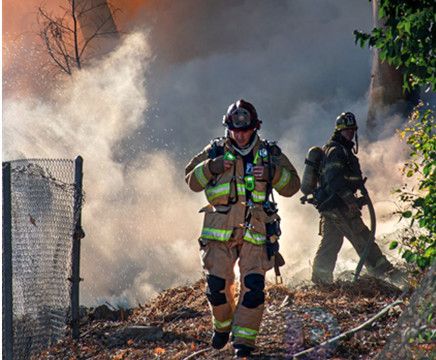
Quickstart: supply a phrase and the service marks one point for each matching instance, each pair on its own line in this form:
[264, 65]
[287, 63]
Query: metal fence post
[8, 336]
[78, 235]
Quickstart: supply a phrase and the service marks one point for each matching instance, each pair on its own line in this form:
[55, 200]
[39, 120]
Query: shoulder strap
[337, 144]
[271, 147]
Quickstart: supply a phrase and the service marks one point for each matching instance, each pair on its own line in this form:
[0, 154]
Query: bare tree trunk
[76, 40]
[386, 95]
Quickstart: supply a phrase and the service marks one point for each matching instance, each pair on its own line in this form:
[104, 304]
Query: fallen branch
[285, 301]
[92, 328]
[113, 308]
[349, 332]
[273, 309]
[193, 355]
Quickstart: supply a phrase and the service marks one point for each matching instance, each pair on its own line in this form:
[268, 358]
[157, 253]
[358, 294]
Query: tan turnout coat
[223, 216]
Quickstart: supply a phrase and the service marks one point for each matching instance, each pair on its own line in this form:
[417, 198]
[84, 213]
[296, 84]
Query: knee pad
[215, 285]
[255, 295]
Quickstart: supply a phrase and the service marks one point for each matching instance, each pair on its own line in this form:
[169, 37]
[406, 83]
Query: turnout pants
[333, 227]
[218, 260]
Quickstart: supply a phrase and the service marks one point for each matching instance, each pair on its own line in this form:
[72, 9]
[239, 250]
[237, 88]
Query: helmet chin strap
[356, 139]
[247, 148]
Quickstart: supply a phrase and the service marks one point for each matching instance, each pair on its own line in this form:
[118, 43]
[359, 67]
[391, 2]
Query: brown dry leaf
[32, 220]
[120, 355]
[193, 347]
[130, 342]
[159, 351]
[426, 347]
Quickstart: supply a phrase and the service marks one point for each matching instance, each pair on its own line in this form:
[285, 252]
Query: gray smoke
[140, 114]
[279, 55]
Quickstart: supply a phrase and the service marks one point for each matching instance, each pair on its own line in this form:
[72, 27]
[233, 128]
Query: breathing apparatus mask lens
[240, 119]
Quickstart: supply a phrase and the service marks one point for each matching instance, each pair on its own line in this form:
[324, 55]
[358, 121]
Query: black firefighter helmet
[241, 115]
[346, 120]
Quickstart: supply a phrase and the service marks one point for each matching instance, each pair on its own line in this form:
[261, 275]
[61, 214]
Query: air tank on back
[312, 164]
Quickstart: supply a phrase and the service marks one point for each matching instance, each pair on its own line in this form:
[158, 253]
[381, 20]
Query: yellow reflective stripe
[258, 196]
[216, 191]
[254, 238]
[353, 178]
[241, 189]
[222, 324]
[243, 332]
[199, 175]
[284, 179]
[216, 234]
[223, 189]
[344, 126]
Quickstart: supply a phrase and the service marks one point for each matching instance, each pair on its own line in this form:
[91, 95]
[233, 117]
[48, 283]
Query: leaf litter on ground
[295, 319]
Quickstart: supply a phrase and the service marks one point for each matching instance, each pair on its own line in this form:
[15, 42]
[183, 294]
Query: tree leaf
[406, 214]
[407, 26]
[393, 245]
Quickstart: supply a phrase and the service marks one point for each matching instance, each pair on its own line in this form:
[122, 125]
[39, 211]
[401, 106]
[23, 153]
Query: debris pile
[177, 324]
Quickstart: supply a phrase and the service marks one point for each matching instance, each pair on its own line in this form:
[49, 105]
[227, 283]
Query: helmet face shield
[241, 115]
[240, 119]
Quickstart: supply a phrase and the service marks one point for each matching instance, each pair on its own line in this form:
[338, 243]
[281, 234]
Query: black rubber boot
[322, 281]
[219, 339]
[398, 278]
[242, 350]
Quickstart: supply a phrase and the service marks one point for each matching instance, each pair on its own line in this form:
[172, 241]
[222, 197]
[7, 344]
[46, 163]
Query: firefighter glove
[361, 202]
[272, 248]
[216, 166]
[264, 173]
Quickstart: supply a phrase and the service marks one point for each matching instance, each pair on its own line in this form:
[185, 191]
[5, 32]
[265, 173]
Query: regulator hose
[372, 228]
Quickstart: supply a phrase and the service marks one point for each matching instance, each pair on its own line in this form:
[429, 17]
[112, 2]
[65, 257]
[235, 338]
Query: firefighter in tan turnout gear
[238, 173]
[340, 178]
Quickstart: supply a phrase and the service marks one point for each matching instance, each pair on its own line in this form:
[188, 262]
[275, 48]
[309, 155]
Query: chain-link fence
[41, 228]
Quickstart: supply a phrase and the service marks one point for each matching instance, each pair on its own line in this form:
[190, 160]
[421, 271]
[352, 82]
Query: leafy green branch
[420, 204]
[407, 40]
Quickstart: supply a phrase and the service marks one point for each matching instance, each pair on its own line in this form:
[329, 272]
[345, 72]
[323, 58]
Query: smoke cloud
[136, 215]
[138, 115]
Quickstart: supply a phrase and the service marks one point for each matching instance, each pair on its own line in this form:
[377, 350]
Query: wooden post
[8, 333]
[78, 235]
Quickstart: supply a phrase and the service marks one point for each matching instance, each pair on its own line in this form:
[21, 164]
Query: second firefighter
[340, 179]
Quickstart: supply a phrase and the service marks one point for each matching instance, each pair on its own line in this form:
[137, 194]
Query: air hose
[372, 228]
